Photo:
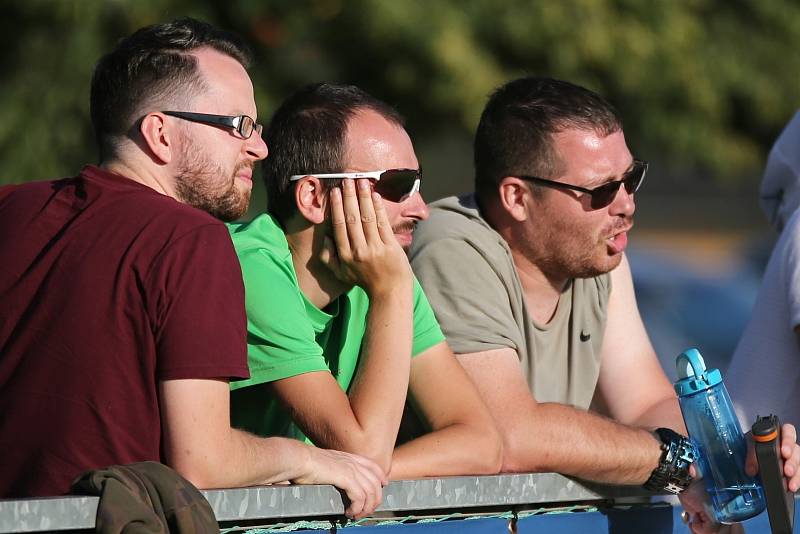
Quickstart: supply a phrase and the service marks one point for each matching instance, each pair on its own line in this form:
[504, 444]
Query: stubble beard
[204, 185]
[581, 256]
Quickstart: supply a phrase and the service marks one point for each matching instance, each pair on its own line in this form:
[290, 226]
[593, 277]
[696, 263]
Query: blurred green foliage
[703, 85]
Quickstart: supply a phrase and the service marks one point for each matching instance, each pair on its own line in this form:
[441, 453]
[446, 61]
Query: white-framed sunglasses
[394, 185]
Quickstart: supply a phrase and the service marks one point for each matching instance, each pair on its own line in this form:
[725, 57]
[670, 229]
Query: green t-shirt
[287, 335]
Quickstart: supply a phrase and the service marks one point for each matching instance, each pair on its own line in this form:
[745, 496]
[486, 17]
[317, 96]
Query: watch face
[672, 473]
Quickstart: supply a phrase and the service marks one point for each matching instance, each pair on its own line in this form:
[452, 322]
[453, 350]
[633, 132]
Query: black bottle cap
[765, 428]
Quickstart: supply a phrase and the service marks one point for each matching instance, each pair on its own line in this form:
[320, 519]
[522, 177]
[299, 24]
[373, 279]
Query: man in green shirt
[334, 312]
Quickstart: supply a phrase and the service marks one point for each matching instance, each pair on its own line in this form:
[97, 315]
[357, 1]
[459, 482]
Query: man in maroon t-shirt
[121, 299]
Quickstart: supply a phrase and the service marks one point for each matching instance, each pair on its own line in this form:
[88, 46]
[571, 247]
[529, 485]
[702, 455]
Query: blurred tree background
[704, 86]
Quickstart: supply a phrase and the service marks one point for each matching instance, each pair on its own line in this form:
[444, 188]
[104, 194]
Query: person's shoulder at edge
[455, 206]
[35, 189]
[127, 199]
[265, 260]
[135, 201]
[451, 217]
[262, 233]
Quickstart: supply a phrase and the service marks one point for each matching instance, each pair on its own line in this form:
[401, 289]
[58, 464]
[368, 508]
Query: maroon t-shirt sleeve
[197, 310]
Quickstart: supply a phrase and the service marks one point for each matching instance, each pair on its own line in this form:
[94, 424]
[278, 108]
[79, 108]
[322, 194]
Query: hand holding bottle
[714, 428]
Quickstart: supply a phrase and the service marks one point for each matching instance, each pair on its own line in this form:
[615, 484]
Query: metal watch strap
[672, 472]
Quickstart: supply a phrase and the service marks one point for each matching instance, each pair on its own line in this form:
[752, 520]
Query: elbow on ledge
[518, 458]
[376, 450]
[201, 477]
[489, 454]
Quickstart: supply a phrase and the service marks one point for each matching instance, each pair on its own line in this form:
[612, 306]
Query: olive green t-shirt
[287, 335]
[469, 277]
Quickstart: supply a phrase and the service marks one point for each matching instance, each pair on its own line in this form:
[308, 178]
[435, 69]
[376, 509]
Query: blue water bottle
[715, 431]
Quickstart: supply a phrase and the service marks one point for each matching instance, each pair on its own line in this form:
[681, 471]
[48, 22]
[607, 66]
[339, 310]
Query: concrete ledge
[276, 502]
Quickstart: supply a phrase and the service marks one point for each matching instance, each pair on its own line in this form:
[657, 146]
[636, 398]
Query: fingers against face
[352, 215]
[367, 209]
[355, 217]
[359, 218]
[338, 223]
[382, 219]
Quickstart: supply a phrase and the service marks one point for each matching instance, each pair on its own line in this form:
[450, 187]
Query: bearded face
[564, 235]
[570, 246]
[208, 186]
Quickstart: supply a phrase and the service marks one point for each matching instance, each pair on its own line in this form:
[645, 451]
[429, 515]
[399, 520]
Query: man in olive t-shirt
[559, 358]
[334, 312]
[529, 281]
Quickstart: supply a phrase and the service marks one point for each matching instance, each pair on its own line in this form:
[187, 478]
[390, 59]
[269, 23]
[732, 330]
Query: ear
[311, 200]
[158, 137]
[514, 197]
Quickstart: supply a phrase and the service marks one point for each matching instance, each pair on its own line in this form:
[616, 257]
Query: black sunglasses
[605, 194]
[243, 124]
[394, 185]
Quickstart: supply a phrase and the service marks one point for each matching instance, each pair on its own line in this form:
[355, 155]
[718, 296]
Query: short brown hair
[151, 67]
[306, 135]
[514, 136]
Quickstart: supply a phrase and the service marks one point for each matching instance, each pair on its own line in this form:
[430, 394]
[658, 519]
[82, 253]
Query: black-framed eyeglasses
[605, 194]
[243, 124]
